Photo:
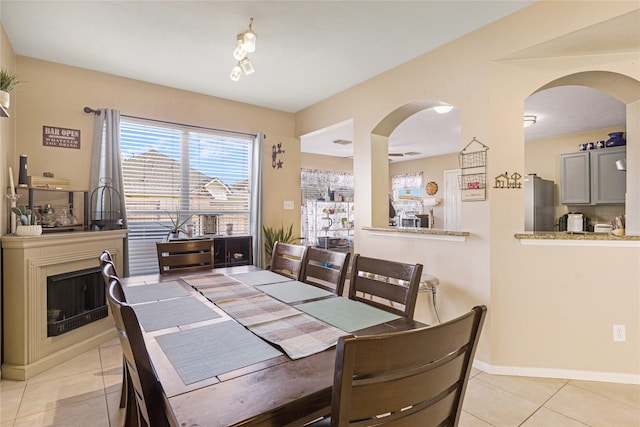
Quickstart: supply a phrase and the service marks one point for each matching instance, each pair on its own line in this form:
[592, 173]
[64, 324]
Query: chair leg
[125, 385]
[132, 413]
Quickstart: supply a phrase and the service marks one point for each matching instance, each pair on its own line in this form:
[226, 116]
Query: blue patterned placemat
[154, 292]
[346, 314]
[173, 312]
[293, 291]
[211, 350]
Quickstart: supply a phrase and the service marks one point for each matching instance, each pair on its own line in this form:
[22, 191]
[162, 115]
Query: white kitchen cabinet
[591, 177]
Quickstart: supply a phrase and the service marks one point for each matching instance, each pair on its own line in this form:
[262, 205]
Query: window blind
[170, 170]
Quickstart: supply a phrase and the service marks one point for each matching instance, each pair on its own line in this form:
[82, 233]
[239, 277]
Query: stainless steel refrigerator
[538, 203]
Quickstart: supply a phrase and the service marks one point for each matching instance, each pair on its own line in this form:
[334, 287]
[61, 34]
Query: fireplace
[41, 273]
[74, 299]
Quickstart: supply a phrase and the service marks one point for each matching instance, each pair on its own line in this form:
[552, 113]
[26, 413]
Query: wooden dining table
[282, 390]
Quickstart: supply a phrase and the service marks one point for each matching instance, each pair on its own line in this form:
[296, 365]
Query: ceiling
[306, 51]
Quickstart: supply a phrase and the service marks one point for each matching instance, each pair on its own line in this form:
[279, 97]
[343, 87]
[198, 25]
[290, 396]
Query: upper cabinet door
[608, 183]
[575, 175]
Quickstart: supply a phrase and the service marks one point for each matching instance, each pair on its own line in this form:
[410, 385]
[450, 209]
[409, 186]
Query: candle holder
[13, 202]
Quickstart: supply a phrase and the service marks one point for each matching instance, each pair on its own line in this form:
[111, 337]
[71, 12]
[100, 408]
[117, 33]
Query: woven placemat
[299, 336]
[346, 314]
[258, 309]
[208, 351]
[262, 277]
[227, 291]
[293, 291]
[173, 312]
[154, 292]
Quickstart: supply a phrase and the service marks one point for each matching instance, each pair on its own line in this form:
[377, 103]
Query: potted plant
[177, 225]
[8, 82]
[27, 226]
[273, 235]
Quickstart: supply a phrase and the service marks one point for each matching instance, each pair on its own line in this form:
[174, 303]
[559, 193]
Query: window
[203, 174]
[407, 193]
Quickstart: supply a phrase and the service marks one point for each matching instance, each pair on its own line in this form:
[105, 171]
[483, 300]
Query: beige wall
[551, 309]
[326, 163]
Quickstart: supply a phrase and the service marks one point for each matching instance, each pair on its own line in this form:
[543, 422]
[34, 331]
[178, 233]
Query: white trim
[573, 242]
[446, 237]
[609, 377]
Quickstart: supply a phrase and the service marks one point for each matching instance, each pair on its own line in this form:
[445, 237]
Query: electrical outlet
[619, 333]
[288, 204]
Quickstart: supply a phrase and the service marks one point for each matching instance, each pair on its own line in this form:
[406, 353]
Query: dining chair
[127, 401]
[383, 284]
[185, 256]
[288, 259]
[151, 408]
[326, 269]
[410, 378]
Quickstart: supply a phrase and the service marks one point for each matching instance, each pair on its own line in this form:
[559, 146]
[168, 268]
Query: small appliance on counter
[576, 222]
[602, 228]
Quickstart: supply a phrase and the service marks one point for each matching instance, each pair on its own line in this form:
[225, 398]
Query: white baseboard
[609, 377]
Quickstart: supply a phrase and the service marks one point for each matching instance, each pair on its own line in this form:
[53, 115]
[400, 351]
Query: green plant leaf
[273, 235]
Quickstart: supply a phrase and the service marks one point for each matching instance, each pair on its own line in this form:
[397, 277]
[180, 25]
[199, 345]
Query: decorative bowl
[29, 230]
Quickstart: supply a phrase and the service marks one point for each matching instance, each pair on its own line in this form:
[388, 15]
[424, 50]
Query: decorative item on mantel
[27, 226]
[106, 211]
[473, 177]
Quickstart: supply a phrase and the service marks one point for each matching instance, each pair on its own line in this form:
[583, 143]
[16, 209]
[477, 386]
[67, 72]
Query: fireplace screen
[74, 299]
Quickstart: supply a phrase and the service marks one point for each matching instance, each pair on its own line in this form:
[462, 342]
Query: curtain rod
[97, 113]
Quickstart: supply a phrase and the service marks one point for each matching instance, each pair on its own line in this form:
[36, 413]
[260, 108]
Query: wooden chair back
[185, 256]
[108, 268]
[326, 269]
[288, 259]
[151, 406]
[394, 282]
[410, 378]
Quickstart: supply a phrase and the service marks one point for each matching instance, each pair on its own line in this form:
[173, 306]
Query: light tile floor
[85, 391]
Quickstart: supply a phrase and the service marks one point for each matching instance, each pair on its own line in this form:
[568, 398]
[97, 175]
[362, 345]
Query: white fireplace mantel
[27, 263]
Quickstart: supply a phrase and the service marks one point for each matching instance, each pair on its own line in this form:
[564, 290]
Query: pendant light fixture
[246, 44]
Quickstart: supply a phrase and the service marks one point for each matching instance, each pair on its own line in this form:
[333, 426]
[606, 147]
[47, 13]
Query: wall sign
[60, 137]
[276, 156]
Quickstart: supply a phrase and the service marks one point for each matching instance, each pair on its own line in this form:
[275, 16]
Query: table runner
[299, 336]
[293, 291]
[205, 279]
[211, 350]
[262, 277]
[227, 291]
[346, 314]
[173, 312]
[154, 292]
[257, 309]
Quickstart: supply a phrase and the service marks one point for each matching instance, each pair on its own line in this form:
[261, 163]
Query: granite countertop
[419, 230]
[572, 235]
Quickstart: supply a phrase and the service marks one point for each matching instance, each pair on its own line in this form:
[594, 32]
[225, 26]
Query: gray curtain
[106, 171]
[256, 220]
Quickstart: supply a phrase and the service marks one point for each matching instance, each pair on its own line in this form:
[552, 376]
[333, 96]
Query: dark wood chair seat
[288, 259]
[410, 378]
[326, 269]
[185, 256]
[385, 284]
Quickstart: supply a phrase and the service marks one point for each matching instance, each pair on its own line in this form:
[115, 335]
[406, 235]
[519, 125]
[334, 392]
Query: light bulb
[236, 72]
[443, 109]
[247, 67]
[249, 41]
[239, 52]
